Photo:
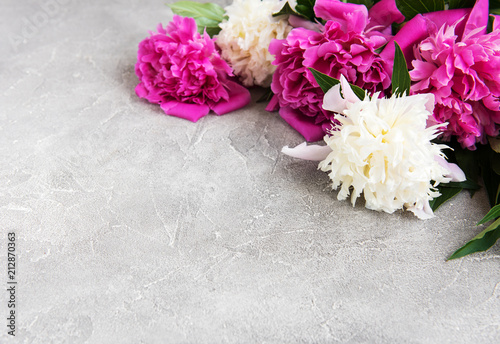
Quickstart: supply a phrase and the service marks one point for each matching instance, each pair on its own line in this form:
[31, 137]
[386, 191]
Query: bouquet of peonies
[388, 85]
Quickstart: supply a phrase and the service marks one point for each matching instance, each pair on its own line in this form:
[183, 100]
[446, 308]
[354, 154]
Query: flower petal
[352, 17]
[478, 17]
[423, 213]
[239, 97]
[333, 100]
[305, 152]
[456, 174]
[384, 13]
[304, 125]
[191, 112]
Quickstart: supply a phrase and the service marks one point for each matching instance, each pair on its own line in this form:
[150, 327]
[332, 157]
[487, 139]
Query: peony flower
[454, 58]
[183, 72]
[245, 36]
[343, 47]
[383, 149]
[463, 76]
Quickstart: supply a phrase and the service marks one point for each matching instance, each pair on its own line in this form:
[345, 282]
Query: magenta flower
[463, 76]
[454, 58]
[183, 72]
[342, 47]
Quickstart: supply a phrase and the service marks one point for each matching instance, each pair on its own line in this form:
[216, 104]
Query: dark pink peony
[454, 58]
[463, 76]
[183, 72]
[342, 47]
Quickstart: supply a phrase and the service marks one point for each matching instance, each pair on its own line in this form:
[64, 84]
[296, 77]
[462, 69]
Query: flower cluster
[424, 76]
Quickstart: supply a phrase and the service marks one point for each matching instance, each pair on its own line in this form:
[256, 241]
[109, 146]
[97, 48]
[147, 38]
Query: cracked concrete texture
[136, 227]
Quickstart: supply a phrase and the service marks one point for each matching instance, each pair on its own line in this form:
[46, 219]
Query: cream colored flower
[383, 150]
[245, 36]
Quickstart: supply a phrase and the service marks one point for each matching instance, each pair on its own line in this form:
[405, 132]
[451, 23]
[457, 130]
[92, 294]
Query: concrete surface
[135, 227]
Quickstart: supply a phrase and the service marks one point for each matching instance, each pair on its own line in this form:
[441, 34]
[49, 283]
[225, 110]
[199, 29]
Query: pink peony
[463, 74]
[342, 47]
[454, 58]
[183, 72]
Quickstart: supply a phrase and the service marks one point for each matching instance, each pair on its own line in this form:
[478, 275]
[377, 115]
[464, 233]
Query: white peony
[383, 149]
[245, 36]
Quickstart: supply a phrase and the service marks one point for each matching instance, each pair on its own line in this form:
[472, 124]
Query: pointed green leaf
[286, 9]
[467, 184]
[492, 214]
[326, 82]
[400, 76]
[480, 242]
[206, 15]
[410, 8]
[446, 194]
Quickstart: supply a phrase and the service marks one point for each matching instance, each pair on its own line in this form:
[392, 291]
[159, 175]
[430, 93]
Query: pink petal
[449, 17]
[304, 125]
[384, 13]
[478, 17]
[305, 152]
[496, 22]
[273, 104]
[410, 34]
[191, 112]
[239, 97]
[350, 16]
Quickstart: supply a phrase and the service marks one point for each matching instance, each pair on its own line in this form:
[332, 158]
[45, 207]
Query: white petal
[333, 101]
[455, 173]
[423, 213]
[305, 152]
[347, 91]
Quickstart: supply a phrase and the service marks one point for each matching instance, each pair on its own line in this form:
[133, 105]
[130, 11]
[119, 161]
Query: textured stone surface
[135, 227]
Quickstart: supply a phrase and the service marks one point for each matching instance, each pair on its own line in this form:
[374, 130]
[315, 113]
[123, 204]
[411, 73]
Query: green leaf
[306, 8]
[446, 194]
[410, 8]
[206, 15]
[453, 4]
[211, 31]
[480, 242]
[400, 76]
[326, 82]
[285, 10]
[494, 143]
[492, 214]
[468, 185]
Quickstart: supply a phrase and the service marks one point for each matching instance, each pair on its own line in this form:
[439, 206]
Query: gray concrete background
[136, 227]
